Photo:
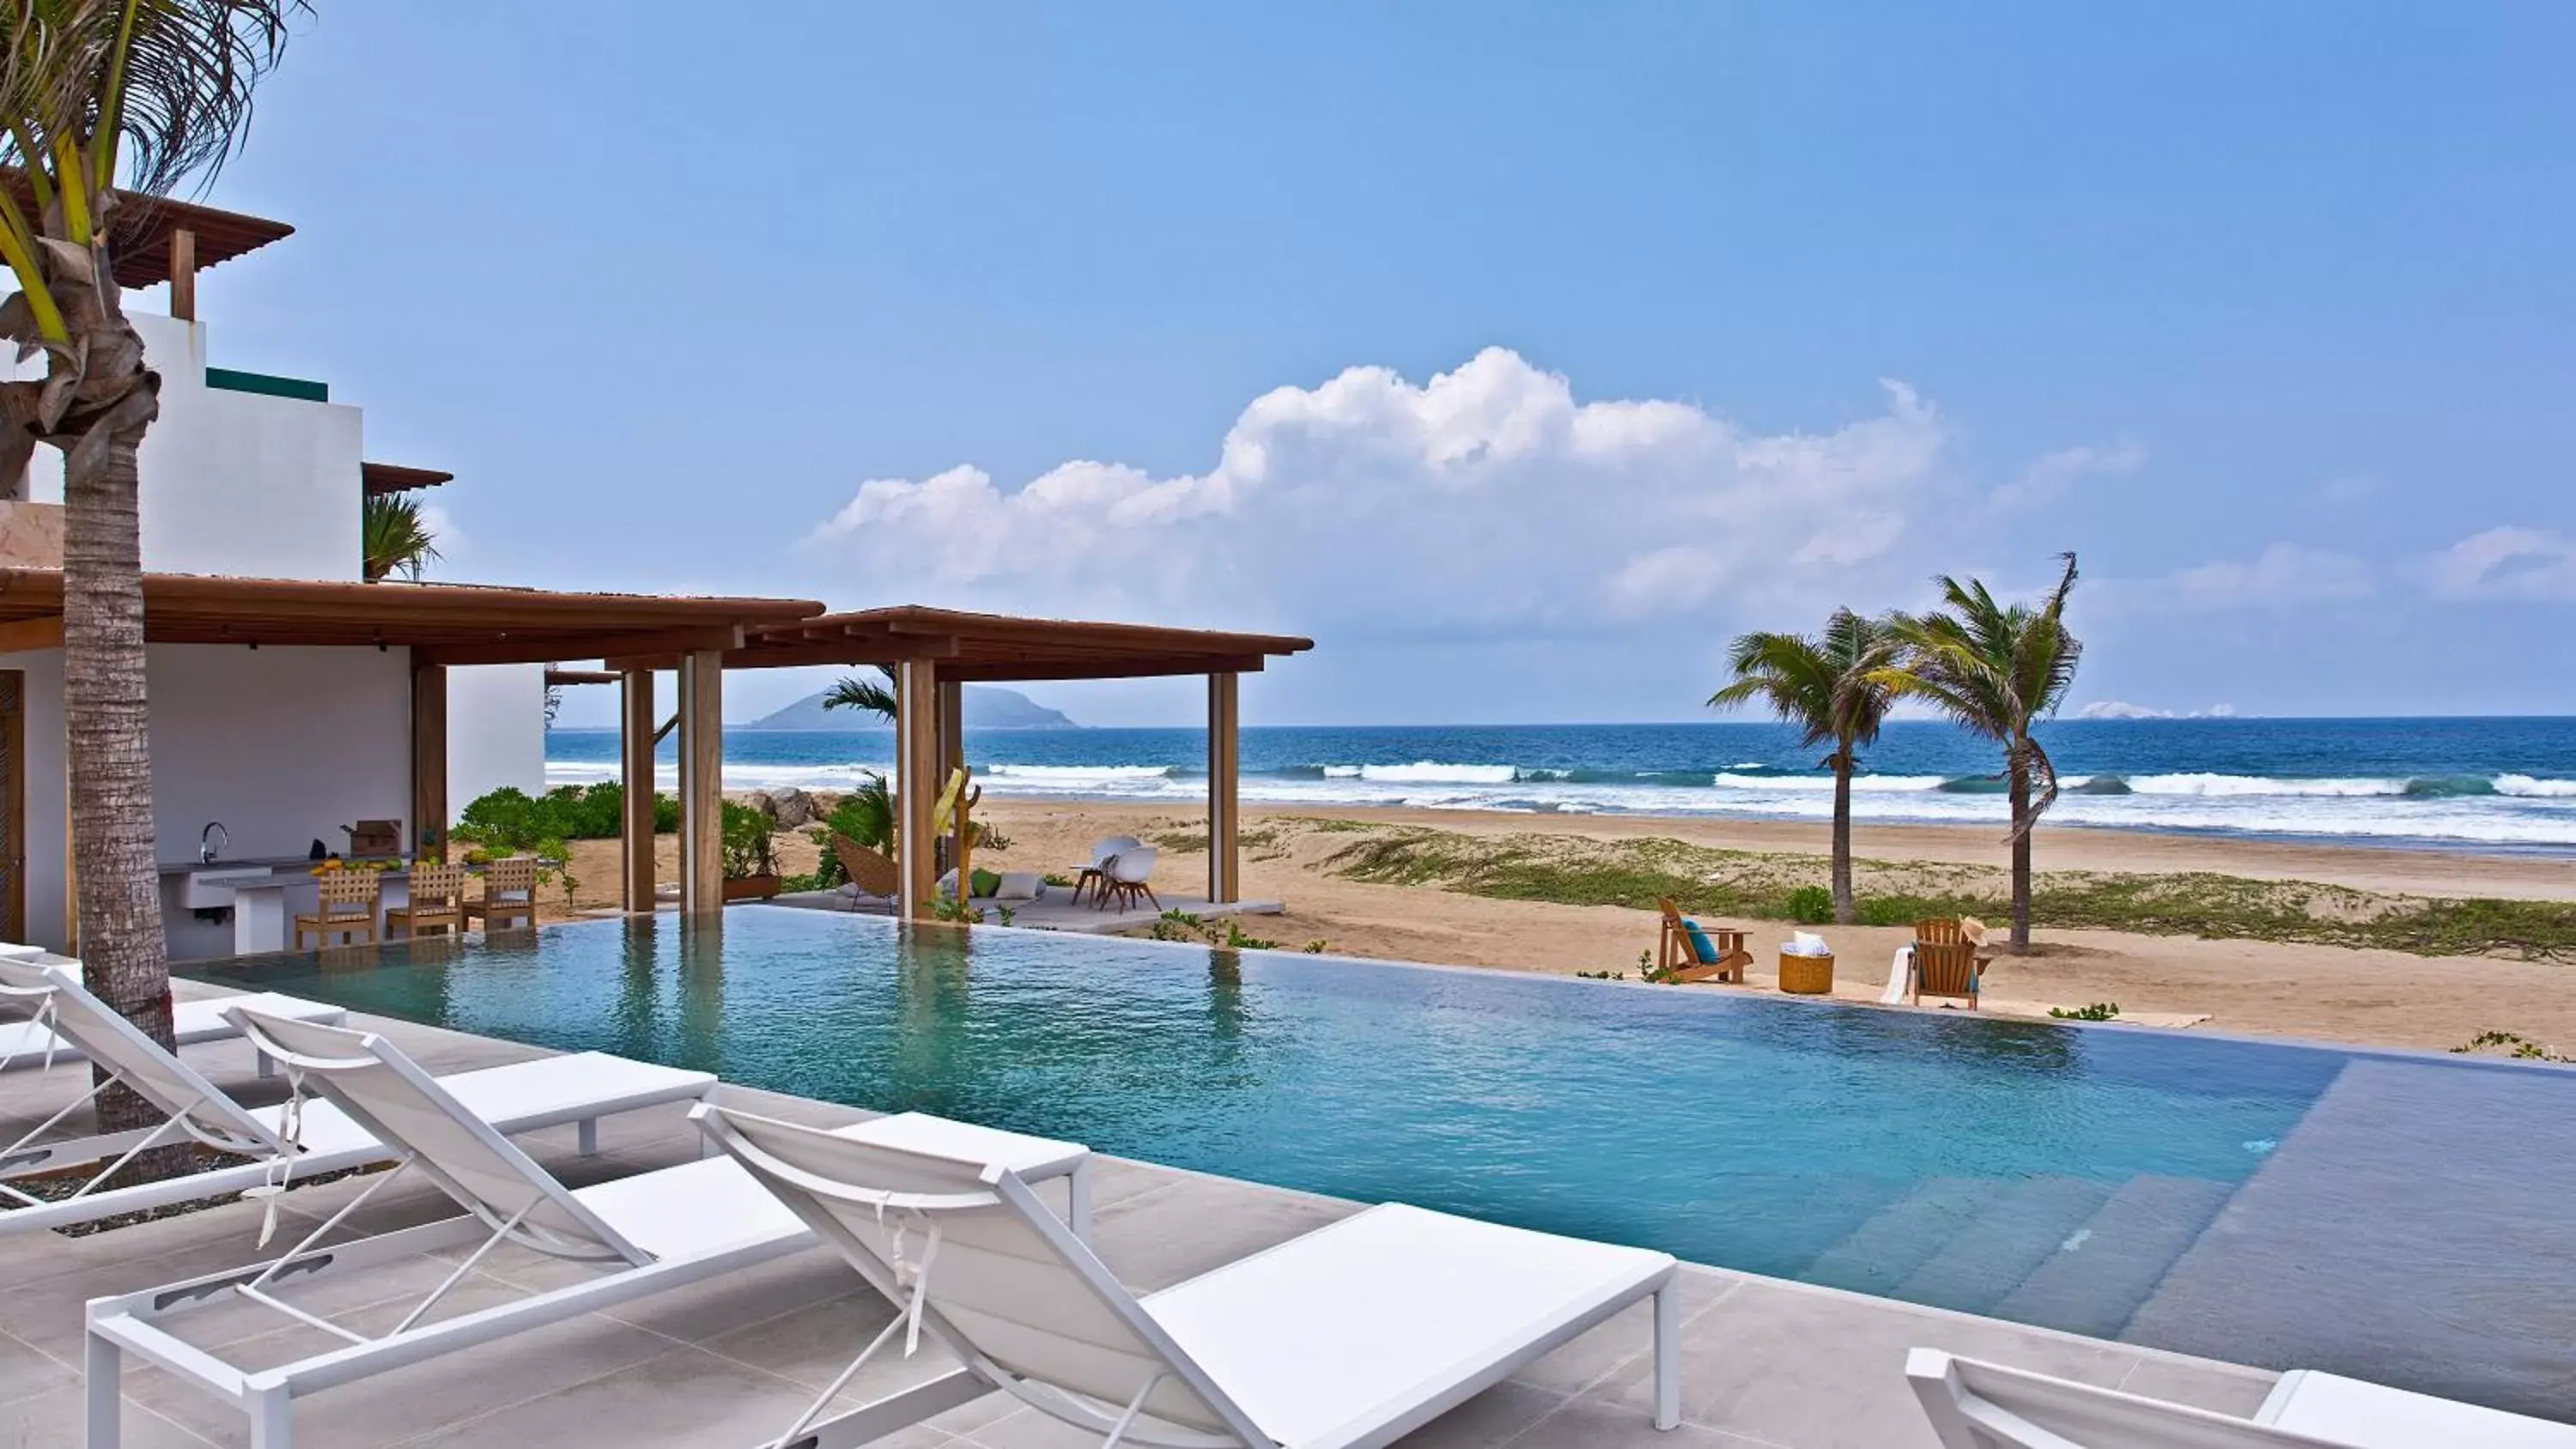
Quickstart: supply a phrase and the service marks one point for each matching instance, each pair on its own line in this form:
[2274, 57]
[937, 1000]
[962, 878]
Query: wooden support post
[702, 782]
[1225, 729]
[917, 785]
[952, 757]
[636, 739]
[183, 275]
[429, 762]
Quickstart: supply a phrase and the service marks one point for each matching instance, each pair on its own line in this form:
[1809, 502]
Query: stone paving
[728, 1363]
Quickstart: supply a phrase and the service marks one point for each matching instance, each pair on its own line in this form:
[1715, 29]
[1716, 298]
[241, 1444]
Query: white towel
[1900, 977]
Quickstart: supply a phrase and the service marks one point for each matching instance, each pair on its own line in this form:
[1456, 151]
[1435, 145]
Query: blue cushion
[1700, 945]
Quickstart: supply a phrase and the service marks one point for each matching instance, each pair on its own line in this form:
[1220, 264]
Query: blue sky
[1521, 354]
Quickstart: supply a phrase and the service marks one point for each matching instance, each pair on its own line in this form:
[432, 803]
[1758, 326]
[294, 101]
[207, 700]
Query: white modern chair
[1978, 1405]
[1095, 874]
[647, 1234]
[279, 1140]
[1123, 877]
[1351, 1336]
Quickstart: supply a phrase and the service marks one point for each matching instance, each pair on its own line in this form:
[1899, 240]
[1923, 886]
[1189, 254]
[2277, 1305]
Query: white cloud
[2051, 474]
[2122, 709]
[1485, 496]
[450, 536]
[2505, 563]
[2284, 573]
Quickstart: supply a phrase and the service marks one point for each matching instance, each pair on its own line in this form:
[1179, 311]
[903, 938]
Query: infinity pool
[2062, 1176]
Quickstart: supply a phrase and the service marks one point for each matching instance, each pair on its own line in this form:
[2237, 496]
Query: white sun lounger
[34, 1043]
[1353, 1335]
[1977, 1405]
[651, 1232]
[521, 1097]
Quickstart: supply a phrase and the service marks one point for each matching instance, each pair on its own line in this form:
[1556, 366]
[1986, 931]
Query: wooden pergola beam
[1106, 667]
[540, 648]
[1224, 775]
[40, 633]
[702, 783]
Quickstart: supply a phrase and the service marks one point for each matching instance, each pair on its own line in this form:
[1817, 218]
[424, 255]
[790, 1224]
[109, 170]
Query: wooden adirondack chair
[1718, 954]
[1946, 963]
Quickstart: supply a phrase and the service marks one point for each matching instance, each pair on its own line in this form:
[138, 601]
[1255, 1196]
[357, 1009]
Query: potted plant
[750, 853]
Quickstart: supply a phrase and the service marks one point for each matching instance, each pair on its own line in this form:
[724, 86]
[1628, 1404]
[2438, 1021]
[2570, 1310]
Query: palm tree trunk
[2017, 767]
[107, 733]
[1843, 910]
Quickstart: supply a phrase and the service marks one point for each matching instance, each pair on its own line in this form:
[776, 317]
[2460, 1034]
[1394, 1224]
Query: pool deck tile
[722, 1364]
[2362, 1217]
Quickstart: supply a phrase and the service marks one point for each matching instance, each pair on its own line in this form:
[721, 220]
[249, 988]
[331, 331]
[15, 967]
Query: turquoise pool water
[1947, 1160]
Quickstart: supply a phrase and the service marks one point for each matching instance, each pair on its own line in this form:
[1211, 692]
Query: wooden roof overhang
[992, 647]
[439, 623]
[139, 235]
[378, 479]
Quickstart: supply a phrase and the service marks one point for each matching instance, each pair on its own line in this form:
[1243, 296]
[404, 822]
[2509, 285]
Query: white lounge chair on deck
[1976, 1405]
[32, 1042]
[521, 1097]
[1351, 1336]
[648, 1233]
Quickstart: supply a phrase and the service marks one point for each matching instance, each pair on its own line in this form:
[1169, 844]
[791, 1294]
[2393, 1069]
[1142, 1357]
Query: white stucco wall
[284, 746]
[235, 482]
[496, 731]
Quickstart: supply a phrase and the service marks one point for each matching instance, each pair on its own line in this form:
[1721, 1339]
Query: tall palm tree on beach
[1996, 670]
[1831, 686]
[107, 104]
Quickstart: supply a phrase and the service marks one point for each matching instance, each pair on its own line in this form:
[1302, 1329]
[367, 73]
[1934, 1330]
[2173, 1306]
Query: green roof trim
[268, 386]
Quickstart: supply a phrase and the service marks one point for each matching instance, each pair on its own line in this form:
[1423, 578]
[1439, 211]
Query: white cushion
[1020, 885]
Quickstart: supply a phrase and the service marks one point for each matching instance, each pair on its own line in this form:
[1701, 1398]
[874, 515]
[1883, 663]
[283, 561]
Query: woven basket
[1806, 975]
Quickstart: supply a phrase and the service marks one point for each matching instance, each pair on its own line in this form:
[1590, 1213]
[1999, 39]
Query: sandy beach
[2264, 987]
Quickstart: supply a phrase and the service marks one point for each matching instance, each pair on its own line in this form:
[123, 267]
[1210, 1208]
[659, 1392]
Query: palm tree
[161, 91]
[396, 538]
[1831, 688]
[857, 691]
[1997, 670]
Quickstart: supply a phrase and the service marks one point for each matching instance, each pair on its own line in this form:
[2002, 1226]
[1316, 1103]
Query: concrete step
[1883, 1251]
[1982, 1263]
[2111, 1264]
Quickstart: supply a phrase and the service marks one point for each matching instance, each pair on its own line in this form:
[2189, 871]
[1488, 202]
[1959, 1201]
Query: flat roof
[139, 237]
[995, 647]
[442, 623]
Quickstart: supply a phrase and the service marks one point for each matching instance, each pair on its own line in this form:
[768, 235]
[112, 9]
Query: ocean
[2457, 783]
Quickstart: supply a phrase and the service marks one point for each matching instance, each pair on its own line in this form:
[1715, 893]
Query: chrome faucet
[207, 849]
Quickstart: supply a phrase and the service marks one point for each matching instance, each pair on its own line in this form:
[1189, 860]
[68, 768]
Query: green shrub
[750, 843]
[1811, 905]
[510, 819]
[2098, 1011]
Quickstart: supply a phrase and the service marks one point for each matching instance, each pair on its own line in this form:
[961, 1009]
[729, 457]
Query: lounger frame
[201, 1112]
[133, 1322]
[805, 1192]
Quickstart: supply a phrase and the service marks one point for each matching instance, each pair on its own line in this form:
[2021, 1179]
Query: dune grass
[1580, 871]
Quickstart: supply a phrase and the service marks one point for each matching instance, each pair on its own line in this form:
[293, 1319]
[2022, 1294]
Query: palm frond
[869, 696]
[397, 538]
[1823, 684]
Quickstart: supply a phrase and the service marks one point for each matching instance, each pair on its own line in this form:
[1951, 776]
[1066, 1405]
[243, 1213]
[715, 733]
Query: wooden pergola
[163, 239]
[934, 653]
[445, 625]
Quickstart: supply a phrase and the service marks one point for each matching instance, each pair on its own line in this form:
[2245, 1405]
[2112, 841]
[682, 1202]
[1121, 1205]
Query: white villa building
[250, 477]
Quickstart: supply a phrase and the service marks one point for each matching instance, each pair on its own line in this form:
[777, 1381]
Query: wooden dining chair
[437, 903]
[347, 911]
[1946, 963]
[509, 893]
